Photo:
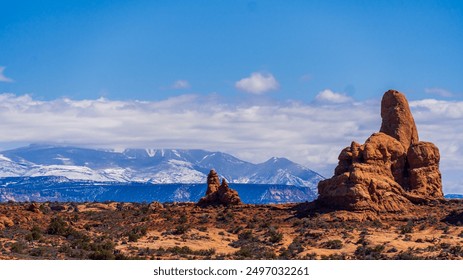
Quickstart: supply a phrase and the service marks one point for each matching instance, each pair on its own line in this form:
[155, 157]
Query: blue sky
[138, 49]
[295, 79]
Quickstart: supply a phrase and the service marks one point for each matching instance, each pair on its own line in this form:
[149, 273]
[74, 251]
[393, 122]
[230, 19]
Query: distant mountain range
[61, 189]
[61, 166]
[454, 196]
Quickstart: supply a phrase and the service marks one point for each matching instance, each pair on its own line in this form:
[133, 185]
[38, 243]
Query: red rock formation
[226, 195]
[217, 193]
[213, 182]
[390, 171]
[398, 121]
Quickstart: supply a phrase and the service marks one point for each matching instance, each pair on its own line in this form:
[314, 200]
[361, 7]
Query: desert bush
[181, 229]
[377, 224]
[293, 249]
[297, 222]
[407, 228]
[444, 245]
[244, 238]
[362, 241]
[456, 250]
[101, 255]
[185, 250]
[313, 235]
[183, 219]
[369, 253]
[409, 254]
[392, 250]
[310, 256]
[336, 256]
[58, 226]
[38, 252]
[202, 229]
[274, 235]
[246, 235]
[430, 248]
[135, 233]
[432, 220]
[446, 229]
[296, 245]
[34, 234]
[422, 227]
[44, 209]
[225, 216]
[18, 247]
[205, 252]
[407, 237]
[236, 230]
[333, 244]
[180, 250]
[79, 240]
[102, 249]
[204, 219]
[255, 251]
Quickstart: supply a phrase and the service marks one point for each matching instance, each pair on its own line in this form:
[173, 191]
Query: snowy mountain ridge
[156, 166]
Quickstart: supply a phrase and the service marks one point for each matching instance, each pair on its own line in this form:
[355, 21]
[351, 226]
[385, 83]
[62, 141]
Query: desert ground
[186, 231]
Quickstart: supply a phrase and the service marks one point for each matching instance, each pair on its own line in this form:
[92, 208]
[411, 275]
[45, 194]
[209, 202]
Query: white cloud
[310, 134]
[3, 78]
[329, 96]
[181, 84]
[438, 91]
[257, 83]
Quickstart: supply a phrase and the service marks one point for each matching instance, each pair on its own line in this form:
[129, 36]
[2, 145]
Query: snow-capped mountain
[162, 166]
[41, 189]
[45, 172]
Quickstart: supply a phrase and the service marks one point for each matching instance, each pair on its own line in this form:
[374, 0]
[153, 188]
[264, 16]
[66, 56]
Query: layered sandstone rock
[391, 171]
[219, 193]
[213, 182]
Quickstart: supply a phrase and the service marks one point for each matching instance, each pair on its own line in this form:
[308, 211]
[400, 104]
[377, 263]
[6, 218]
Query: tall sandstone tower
[391, 171]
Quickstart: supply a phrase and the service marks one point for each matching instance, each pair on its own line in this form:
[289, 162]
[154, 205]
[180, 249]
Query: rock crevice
[391, 171]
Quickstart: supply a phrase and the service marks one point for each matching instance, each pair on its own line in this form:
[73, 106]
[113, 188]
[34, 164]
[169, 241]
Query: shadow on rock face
[454, 218]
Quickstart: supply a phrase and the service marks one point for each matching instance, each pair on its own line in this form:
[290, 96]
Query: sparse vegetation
[114, 231]
[407, 228]
[333, 244]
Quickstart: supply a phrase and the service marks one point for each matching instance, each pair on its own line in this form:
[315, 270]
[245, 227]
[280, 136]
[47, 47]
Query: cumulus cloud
[438, 91]
[257, 83]
[328, 96]
[307, 133]
[181, 84]
[3, 78]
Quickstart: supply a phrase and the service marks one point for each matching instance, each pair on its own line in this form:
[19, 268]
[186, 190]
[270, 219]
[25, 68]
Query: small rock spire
[218, 193]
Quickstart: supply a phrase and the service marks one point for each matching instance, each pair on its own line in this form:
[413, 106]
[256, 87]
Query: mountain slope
[149, 165]
[61, 189]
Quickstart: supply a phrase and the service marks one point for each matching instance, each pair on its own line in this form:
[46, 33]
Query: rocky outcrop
[391, 171]
[219, 193]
